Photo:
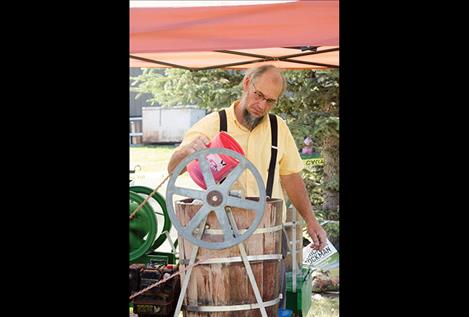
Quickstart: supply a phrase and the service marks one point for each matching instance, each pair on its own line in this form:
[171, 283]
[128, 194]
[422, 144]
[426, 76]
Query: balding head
[273, 75]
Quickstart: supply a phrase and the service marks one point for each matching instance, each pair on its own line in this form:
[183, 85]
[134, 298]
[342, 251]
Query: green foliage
[313, 180]
[327, 214]
[333, 231]
[326, 126]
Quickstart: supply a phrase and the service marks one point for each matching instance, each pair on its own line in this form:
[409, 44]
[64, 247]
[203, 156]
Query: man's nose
[264, 103]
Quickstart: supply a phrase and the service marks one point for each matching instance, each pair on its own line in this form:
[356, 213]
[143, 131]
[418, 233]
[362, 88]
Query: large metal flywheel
[216, 198]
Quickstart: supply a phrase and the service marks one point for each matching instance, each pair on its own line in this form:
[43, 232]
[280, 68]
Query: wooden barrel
[300, 223]
[227, 283]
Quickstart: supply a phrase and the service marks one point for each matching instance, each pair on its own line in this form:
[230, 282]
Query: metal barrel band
[251, 258]
[257, 231]
[230, 307]
[290, 224]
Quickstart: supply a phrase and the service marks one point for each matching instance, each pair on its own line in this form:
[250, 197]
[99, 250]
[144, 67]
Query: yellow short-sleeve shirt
[256, 145]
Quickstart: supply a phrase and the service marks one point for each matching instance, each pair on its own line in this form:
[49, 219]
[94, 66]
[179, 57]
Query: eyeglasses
[260, 96]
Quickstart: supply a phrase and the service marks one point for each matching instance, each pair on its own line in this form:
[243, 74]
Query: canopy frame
[260, 58]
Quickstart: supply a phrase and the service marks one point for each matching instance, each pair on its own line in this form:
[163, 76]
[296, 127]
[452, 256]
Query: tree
[211, 89]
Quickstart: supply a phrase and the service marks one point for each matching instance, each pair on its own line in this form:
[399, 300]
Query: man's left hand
[318, 235]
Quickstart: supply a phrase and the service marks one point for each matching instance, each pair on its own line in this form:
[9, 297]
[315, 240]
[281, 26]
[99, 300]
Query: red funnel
[220, 165]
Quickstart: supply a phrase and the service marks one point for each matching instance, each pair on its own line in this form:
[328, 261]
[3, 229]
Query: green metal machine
[143, 228]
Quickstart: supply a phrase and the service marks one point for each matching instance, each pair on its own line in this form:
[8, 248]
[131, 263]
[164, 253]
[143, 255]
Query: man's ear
[245, 83]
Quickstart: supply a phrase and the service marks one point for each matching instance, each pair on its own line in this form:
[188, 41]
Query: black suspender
[273, 152]
[222, 115]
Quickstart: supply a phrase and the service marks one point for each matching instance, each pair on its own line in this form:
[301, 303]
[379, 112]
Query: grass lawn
[151, 158]
[153, 161]
[324, 305]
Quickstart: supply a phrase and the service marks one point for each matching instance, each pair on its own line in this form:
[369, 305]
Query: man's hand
[318, 235]
[197, 144]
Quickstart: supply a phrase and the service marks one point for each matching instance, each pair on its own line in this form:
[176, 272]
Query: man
[248, 123]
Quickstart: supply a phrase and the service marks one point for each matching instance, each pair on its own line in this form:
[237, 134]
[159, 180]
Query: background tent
[288, 34]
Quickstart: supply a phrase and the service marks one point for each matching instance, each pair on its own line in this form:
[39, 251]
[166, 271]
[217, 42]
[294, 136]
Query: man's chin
[256, 115]
[251, 119]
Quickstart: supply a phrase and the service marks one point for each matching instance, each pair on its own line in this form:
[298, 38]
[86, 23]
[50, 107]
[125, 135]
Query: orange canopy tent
[205, 35]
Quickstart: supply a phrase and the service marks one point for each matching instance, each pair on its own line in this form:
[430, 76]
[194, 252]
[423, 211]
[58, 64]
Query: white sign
[320, 258]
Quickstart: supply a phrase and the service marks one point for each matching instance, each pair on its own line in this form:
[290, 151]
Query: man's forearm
[176, 158]
[296, 191]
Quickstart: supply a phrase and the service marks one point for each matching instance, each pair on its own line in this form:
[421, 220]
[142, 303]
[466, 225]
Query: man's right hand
[199, 143]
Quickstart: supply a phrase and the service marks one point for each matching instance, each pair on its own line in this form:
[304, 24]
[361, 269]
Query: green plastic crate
[299, 302]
